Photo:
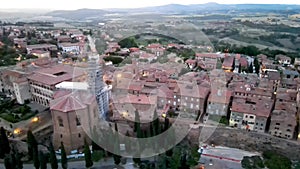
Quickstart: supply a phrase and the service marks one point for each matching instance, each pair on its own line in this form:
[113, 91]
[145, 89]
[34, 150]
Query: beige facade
[22, 90]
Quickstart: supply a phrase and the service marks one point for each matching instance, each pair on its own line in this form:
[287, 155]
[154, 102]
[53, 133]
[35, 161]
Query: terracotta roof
[244, 62]
[138, 99]
[283, 116]
[220, 96]
[66, 104]
[192, 90]
[228, 61]
[208, 55]
[190, 61]
[61, 93]
[66, 101]
[56, 74]
[151, 46]
[258, 107]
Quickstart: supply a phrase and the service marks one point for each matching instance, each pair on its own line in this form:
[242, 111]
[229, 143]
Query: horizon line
[53, 9]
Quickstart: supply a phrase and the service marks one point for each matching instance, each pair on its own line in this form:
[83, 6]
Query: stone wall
[249, 141]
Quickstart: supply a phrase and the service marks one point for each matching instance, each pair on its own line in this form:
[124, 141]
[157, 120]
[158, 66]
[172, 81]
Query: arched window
[60, 121]
[78, 121]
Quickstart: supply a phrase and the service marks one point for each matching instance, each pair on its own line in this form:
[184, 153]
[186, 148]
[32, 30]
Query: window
[192, 99]
[197, 100]
[61, 136]
[278, 124]
[79, 135]
[288, 130]
[78, 121]
[178, 100]
[60, 121]
[251, 117]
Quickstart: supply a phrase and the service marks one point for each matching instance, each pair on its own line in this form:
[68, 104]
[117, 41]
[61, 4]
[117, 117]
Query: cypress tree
[8, 162]
[35, 157]
[87, 155]
[43, 160]
[19, 163]
[257, 66]
[155, 124]
[116, 156]
[250, 69]
[166, 124]
[116, 127]
[95, 146]
[136, 121]
[4, 143]
[31, 143]
[53, 159]
[64, 160]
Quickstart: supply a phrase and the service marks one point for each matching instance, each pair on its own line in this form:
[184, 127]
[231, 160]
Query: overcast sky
[102, 4]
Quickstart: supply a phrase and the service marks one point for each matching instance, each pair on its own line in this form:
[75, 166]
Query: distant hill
[82, 14]
[79, 14]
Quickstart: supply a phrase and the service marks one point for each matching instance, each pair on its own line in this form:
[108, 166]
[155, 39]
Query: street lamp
[35, 119]
[17, 131]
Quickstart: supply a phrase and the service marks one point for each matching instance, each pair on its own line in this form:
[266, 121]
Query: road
[108, 164]
[223, 157]
[92, 44]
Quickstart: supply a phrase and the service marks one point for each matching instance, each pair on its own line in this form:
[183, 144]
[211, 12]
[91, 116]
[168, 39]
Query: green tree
[31, 143]
[35, 157]
[116, 127]
[64, 160]
[87, 155]
[166, 124]
[53, 159]
[162, 161]
[254, 162]
[128, 43]
[136, 121]
[257, 66]
[276, 161]
[155, 123]
[8, 162]
[18, 161]
[193, 156]
[43, 160]
[4, 143]
[250, 68]
[175, 159]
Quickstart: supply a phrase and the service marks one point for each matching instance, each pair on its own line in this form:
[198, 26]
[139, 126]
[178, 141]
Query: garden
[13, 112]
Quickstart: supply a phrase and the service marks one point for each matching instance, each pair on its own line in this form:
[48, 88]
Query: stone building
[72, 117]
[251, 114]
[42, 82]
[218, 103]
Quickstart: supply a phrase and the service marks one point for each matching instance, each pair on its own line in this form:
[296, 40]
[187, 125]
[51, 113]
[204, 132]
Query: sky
[102, 4]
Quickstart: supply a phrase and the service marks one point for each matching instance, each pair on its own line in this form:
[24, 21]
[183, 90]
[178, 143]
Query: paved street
[223, 157]
[108, 164]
